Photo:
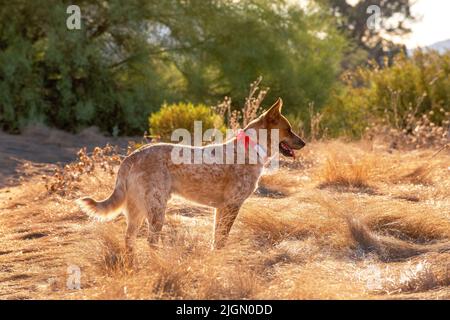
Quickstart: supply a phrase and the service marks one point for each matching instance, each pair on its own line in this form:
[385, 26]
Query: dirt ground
[38, 146]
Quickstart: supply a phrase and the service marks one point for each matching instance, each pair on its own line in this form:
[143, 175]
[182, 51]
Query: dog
[148, 177]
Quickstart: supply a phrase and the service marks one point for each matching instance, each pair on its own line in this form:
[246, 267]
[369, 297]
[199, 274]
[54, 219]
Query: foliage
[353, 18]
[409, 89]
[182, 116]
[63, 77]
[130, 57]
[297, 53]
[419, 132]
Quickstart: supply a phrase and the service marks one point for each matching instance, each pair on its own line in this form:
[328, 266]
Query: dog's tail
[112, 206]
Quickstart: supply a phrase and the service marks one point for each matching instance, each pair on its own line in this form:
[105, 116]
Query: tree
[377, 42]
[66, 78]
[131, 56]
[242, 40]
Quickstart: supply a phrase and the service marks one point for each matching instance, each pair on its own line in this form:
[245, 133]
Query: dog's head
[273, 119]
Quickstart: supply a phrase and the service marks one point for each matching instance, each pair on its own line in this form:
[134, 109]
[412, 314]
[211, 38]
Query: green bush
[182, 115]
[67, 78]
[412, 86]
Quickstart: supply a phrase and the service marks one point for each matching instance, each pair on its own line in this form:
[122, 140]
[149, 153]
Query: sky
[434, 26]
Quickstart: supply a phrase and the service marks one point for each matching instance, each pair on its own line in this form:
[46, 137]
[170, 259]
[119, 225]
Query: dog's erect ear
[275, 110]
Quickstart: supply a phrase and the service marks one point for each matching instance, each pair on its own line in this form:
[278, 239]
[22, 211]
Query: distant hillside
[441, 46]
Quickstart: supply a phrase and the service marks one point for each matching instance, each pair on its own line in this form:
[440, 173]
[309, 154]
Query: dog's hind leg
[223, 221]
[135, 215]
[155, 220]
[154, 198]
[156, 203]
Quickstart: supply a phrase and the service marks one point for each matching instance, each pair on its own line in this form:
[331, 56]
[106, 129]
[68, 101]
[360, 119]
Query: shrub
[412, 87]
[182, 115]
[418, 132]
[67, 78]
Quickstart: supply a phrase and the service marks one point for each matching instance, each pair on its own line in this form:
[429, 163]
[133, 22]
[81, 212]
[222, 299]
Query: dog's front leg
[223, 221]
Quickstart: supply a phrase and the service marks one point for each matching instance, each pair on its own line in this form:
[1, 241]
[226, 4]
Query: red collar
[249, 142]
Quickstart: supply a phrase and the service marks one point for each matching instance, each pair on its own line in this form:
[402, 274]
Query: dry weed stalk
[315, 119]
[240, 118]
[63, 179]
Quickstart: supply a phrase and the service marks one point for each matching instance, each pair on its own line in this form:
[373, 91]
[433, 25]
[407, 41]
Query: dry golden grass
[347, 221]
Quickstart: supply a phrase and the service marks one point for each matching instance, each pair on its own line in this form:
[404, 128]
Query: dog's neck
[244, 146]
